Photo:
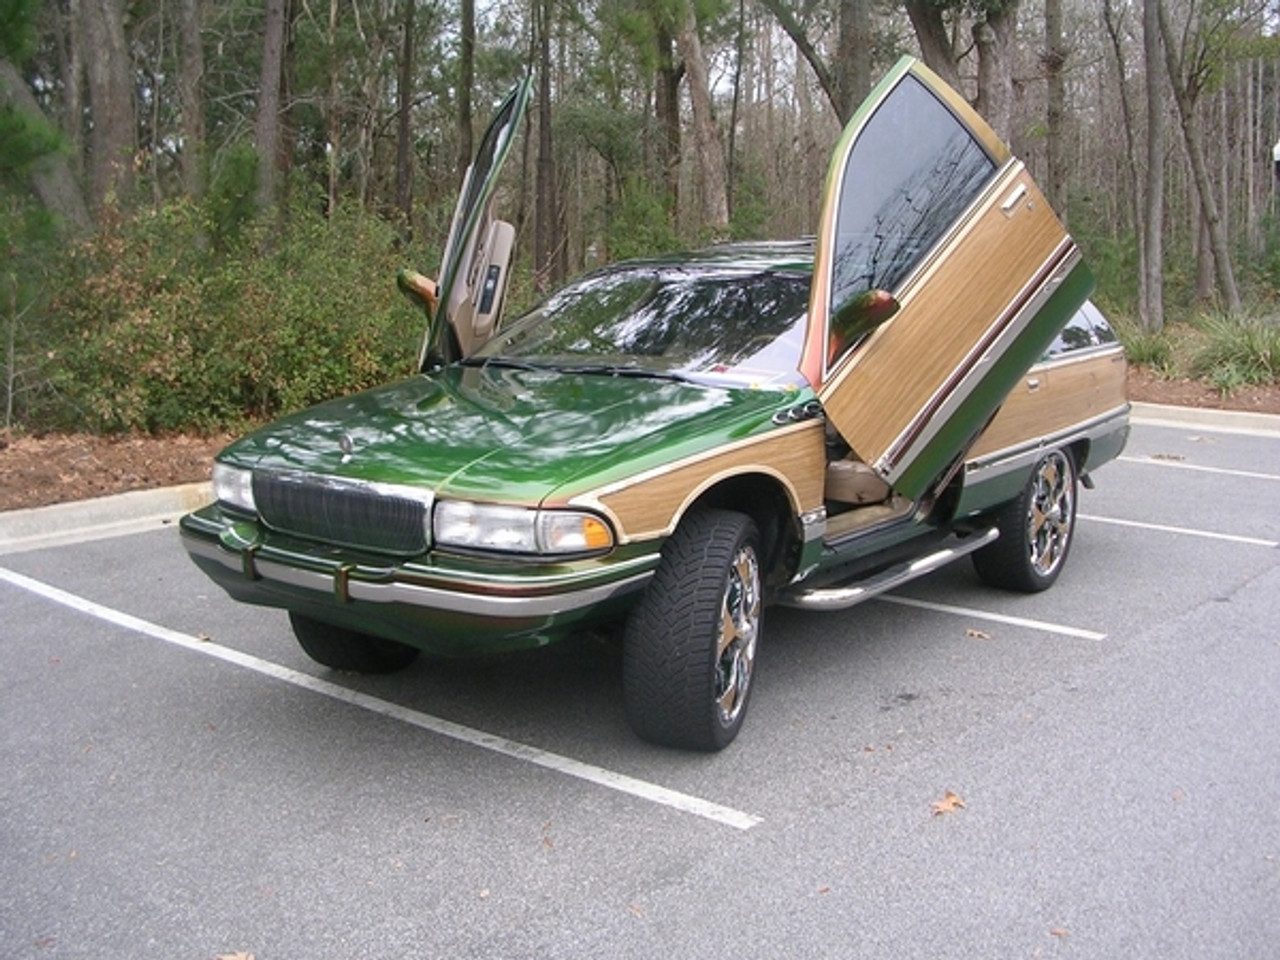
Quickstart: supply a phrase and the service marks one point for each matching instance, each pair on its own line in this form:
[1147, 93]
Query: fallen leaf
[948, 804]
[822, 890]
[484, 894]
[977, 634]
[235, 956]
[1060, 932]
[638, 911]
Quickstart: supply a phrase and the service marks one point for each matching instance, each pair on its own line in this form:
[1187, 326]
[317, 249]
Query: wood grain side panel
[650, 505]
[953, 305]
[1069, 392]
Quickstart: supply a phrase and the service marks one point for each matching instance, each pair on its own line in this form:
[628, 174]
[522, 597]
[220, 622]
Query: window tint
[912, 172]
[1087, 328]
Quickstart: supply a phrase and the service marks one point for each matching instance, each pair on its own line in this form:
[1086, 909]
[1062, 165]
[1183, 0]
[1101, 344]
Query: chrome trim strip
[1024, 455]
[419, 595]
[841, 598]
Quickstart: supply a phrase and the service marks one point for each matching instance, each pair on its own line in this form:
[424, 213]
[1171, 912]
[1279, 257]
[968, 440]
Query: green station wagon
[673, 444]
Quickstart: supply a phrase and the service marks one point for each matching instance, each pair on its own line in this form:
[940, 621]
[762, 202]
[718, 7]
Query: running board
[841, 598]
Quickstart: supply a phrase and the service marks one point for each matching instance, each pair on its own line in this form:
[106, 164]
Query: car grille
[354, 514]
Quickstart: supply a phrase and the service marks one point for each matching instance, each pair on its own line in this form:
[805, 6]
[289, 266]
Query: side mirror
[420, 290]
[857, 317]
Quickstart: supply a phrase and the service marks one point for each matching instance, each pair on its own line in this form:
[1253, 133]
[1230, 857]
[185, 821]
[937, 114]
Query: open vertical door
[477, 254]
[940, 276]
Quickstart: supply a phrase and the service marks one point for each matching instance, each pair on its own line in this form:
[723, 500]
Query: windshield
[719, 325]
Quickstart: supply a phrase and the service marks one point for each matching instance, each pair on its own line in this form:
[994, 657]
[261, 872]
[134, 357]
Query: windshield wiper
[505, 363]
[619, 370]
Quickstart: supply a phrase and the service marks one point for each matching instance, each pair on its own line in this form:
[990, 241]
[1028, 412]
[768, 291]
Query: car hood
[507, 435]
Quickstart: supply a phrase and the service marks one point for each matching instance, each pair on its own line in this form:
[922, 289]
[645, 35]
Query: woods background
[205, 201]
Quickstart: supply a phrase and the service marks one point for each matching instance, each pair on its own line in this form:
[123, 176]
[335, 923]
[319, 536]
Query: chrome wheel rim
[739, 631]
[1050, 513]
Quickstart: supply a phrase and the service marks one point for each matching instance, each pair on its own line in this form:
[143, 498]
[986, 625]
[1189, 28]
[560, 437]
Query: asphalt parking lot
[947, 772]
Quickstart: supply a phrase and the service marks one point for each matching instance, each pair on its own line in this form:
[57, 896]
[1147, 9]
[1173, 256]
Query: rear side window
[1086, 329]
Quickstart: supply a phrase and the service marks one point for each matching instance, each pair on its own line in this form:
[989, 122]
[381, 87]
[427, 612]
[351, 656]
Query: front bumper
[445, 605]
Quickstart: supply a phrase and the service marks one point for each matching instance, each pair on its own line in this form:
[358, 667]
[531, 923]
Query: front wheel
[1035, 529]
[689, 649]
[348, 650]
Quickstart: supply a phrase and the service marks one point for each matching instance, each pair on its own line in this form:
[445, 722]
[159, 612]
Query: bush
[158, 334]
[1238, 352]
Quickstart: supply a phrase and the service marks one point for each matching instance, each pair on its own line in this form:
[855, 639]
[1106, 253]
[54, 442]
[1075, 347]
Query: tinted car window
[912, 172]
[716, 322]
[1087, 328]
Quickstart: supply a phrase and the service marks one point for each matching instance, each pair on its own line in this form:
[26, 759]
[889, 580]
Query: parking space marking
[1220, 471]
[1185, 531]
[600, 776]
[1043, 625]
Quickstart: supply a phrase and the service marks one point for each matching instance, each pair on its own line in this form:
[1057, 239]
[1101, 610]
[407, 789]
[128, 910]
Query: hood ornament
[347, 446]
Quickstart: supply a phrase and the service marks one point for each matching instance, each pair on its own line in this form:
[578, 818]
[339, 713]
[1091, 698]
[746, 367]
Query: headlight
[479, 526]
[234, 486]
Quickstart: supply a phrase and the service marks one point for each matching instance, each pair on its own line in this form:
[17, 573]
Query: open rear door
[940, 276]
[477, 255]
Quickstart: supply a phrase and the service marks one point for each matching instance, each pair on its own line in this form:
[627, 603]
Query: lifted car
[675, 443]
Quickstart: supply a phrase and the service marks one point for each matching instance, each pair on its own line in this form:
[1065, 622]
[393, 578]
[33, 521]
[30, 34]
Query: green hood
[508, 435]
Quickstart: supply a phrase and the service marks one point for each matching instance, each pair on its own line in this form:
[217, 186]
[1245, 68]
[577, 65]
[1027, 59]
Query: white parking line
[1185, 531]
[477, 738]
[1179, 465]
[1058, 628]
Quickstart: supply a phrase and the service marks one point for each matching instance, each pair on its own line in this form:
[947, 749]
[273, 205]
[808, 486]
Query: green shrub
[160, 335]
[1238, 352]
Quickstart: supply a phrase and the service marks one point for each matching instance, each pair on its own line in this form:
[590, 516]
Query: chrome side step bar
[851, 594]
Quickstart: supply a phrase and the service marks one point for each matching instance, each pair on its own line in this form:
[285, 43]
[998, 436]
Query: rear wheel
[690, 645]
[344, 649]
[1035, 529]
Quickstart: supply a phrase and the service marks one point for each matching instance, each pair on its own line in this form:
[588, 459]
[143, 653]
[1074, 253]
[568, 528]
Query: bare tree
[1151, 310]
[706, 132]
[111, 137]
[1190, 66]
[266, 131]
[191, 98]
[1054, 61]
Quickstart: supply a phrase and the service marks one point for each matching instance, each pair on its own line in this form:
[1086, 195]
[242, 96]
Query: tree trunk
[1151, 310]
[853, 57]
[666, 108]
[51, 177]
[935, 43]
[266, 129]
[545, 219]
[333, 112]
[108, 69]
[1185, 99]
[995, 38]
[466, 80]
[706, 132]
[1054, 60]
[191, 97]
[1131, 153]
[404, 133]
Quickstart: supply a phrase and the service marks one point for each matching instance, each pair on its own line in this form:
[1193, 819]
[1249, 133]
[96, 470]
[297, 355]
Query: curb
[142, 510]
[1223, 421]
[133, 512]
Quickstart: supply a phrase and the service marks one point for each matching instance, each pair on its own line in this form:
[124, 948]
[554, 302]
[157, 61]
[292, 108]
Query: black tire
[690, 645]
[348, 650]
[1036, 529]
